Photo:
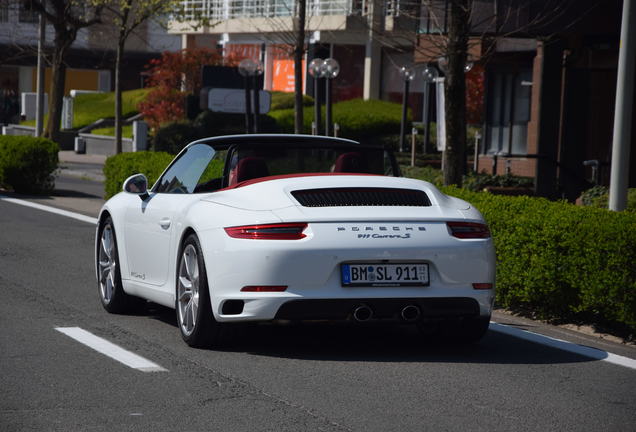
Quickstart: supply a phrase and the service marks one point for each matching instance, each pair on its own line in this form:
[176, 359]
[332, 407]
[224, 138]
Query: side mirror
[137, 184]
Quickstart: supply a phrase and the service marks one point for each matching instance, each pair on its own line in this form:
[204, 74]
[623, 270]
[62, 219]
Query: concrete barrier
[103, 145]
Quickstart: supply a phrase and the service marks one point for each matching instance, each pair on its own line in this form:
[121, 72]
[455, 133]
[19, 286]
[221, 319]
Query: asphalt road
[278, 378]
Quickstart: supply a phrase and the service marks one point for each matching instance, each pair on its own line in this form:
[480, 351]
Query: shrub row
[556, 260]
[121, 166]
[358, 119]
[27, 163]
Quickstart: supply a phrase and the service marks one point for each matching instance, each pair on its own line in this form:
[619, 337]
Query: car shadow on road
[374, 342]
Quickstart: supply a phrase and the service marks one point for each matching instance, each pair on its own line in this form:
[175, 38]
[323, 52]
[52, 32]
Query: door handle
[165, 223]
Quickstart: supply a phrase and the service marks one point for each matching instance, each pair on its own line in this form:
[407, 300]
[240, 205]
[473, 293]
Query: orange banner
[283, 75]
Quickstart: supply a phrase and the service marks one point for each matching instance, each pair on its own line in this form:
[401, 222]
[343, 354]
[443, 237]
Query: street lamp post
[407, 74]
[247, 68]
[317, 72]
[257, 102]
[430, 74]
[331, 69]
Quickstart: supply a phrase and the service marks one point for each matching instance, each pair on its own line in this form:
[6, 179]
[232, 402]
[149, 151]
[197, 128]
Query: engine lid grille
[343, 197]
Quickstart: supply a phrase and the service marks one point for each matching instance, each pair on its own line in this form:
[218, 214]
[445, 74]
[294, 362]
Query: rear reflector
[264, 288]
[282, 231]
[482, 286]
[468, 230]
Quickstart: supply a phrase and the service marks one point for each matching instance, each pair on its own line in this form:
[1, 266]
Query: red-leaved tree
[475, 95]
[172, 77]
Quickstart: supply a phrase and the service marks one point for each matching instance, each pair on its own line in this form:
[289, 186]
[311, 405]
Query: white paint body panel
[310, 267]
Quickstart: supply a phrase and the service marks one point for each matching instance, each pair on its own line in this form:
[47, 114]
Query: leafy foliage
[27, 164]
[598, 196]
[561, 261]
[478, 181]
[173, 76]
[285, 100]
[121, 166]
[358, 119]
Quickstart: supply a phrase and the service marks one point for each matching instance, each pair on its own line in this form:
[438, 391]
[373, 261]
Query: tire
[109, 286]
[192, 304]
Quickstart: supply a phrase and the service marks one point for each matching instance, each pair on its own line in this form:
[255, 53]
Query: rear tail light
[468, 230]
[282, 231]
[482, 286]
[264, 288]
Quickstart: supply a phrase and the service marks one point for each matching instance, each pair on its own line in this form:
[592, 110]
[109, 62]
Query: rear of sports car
[347, 247]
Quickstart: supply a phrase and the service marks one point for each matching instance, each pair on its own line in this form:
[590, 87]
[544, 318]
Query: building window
[4, 12]
[433, 17]
[508, 112]
[26, 13]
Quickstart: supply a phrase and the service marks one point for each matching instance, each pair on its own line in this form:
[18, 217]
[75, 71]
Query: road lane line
[111, 350]
[585, 351]
[50, 209]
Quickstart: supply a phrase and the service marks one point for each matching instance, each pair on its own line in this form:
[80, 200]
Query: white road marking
[50, 209]
[111, 350]
[586, 351]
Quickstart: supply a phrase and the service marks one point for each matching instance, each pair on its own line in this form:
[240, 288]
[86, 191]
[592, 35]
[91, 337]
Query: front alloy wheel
[111, 293]
[194, 313]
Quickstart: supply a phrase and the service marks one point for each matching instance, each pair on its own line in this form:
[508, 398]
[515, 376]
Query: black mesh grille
[339, 197]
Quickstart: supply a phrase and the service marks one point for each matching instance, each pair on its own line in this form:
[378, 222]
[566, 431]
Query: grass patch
[88, 108]
[126, 131]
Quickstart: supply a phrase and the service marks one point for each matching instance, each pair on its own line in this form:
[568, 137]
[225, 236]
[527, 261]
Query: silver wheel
[107, 265]
[188, 290]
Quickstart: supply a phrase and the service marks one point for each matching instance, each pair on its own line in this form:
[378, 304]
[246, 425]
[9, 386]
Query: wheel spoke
[107, 243]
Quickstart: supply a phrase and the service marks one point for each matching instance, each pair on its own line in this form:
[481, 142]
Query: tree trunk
[118, 107]
[58, 82]
[455, 92]
[299, 50]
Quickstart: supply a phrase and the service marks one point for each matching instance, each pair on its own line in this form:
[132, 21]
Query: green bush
[27, 163]
[285, 100]
[362, 120]
[561, 261]
[173, 137]
[598, 196]
[478, 181]
[121, 166]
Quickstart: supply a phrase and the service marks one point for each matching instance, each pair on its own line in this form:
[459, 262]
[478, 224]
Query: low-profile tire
[109, 286]
[194, 313]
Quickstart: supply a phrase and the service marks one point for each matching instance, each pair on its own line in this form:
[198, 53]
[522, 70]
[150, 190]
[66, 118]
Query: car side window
[185, 174]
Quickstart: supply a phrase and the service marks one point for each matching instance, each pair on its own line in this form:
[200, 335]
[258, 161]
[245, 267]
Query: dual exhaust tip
[409, 313]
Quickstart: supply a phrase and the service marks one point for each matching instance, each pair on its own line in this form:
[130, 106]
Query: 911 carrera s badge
[385, 236]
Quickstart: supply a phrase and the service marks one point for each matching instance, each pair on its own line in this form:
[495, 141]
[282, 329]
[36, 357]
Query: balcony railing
[218, 10]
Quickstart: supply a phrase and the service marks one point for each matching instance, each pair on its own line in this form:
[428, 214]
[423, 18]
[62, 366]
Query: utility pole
[39, 104]
[623, 109]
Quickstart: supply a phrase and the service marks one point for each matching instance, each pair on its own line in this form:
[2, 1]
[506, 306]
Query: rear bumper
[390, 309]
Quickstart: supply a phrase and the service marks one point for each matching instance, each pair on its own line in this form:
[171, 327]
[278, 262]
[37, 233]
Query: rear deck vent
[342, 197]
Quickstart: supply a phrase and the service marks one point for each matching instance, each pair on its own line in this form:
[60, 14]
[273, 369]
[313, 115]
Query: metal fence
[218, 10]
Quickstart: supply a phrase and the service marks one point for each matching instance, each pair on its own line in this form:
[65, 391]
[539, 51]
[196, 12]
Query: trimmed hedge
[561, 261]
[27, 163]
[172, 137]
[358, 119]
[121, 166]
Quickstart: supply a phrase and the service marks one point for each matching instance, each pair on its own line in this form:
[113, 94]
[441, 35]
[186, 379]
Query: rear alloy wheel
[194, 312]
[111, 292]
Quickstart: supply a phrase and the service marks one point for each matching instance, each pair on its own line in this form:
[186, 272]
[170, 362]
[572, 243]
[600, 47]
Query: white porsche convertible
[294, 227]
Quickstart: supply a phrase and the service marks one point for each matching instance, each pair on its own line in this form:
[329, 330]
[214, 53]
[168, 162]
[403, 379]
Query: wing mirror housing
[137, 184]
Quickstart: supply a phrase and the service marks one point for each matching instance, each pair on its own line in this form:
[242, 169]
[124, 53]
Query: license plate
[384, 274]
